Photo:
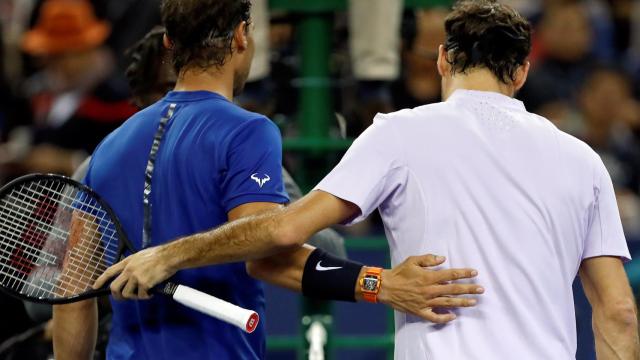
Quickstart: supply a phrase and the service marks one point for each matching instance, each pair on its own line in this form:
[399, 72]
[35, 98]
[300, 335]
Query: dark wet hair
[144, 61]
[201, 31]
[485, 33]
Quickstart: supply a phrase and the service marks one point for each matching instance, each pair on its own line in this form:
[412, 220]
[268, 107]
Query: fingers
[130, 290]
[427, 260]
[454, 274]
[117, 285]
[143, 292]
[112, 271]
[430, 315]
[127, 286]
[451, 302]
[456, 289]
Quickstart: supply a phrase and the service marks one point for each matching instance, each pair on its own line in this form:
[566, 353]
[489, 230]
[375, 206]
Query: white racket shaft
[245, 319]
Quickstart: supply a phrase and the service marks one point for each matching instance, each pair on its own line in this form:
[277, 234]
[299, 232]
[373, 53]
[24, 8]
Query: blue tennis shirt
[214, 157]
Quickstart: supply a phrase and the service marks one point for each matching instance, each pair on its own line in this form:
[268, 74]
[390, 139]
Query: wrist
[327, 277]
[358, 290]
[169, 258]
[383, 294]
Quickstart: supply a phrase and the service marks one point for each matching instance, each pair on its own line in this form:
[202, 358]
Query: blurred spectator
[419, 83]
[375, 55]
[130, 20]
[528, 8]
[257, 94]
[149, 70]
[633, 54]
[565, 36]
[605, 117]
[15, 17]
[608, 112]
[73, 100]
[622, 17]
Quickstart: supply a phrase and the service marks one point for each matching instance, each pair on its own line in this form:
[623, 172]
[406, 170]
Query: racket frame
[247, 320]
[123, 241]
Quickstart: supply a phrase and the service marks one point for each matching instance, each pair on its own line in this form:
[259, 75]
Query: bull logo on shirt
[260, 181]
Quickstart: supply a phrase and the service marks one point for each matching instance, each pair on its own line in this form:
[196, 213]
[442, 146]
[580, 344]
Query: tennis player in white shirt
[476, 178]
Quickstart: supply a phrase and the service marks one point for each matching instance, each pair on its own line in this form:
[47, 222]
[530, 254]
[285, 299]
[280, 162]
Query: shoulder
[230, 118]
[440, 108]
[574, 149]
[424, 115]
[225, 111]
[144, 117]
[401, 121]
[257, 128]
[251, 130]
[139, 127]
[567, 141]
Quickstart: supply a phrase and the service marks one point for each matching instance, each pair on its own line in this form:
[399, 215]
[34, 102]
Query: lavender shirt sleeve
[605, 236]
[362, 176]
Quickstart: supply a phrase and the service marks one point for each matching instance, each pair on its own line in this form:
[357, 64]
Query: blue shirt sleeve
[254, 166]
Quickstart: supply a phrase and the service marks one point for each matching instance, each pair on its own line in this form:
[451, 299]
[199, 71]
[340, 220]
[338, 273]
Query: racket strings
[58, 233]
[22, 255]
[43, 258]
[55, 239]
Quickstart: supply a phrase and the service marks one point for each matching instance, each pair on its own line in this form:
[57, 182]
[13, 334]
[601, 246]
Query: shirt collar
[178, 96]
[463, 95]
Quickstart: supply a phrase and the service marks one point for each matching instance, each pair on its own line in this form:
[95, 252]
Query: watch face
[370, 283]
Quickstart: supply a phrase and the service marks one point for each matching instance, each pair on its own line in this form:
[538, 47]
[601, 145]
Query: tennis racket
[58, 236]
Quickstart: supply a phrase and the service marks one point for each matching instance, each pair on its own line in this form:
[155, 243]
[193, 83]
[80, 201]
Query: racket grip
[245, 319]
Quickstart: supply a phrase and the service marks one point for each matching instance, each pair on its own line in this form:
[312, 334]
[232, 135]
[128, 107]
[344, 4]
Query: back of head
[487, 34]
[147, 72]
[201, 31]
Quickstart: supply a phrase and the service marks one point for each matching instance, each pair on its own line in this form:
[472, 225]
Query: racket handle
[245, 319]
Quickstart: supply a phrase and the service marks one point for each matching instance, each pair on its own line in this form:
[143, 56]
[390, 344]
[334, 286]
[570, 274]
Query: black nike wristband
[327, 277]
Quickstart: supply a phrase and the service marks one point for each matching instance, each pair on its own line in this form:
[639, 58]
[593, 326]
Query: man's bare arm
[409, 287]
[251, 237]
[75, 325]
[75, 329]
[615, 324]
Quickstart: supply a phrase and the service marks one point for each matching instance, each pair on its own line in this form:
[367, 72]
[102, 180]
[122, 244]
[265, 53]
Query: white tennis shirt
[490, 186]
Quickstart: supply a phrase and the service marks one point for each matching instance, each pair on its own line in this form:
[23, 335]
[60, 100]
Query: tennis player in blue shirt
[189, 163]
[213, 162]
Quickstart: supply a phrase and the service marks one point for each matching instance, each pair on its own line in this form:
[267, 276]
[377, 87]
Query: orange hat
[65, 25]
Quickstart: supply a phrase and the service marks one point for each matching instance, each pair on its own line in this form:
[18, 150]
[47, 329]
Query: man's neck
[479, 80]
[215, 80]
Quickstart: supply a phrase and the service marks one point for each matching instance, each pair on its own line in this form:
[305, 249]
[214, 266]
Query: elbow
[623, 314]
[287, 235]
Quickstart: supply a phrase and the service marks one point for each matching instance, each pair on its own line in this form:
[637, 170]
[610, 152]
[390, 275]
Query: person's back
[505, 192]
[486, 184]
[194, 187]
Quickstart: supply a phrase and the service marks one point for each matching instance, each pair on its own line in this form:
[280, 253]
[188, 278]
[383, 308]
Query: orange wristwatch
[370, 284]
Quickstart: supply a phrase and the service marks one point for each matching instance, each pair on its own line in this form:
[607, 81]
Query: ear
[521, 75]
[168, 44]
[444, 68]
[241, 36]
